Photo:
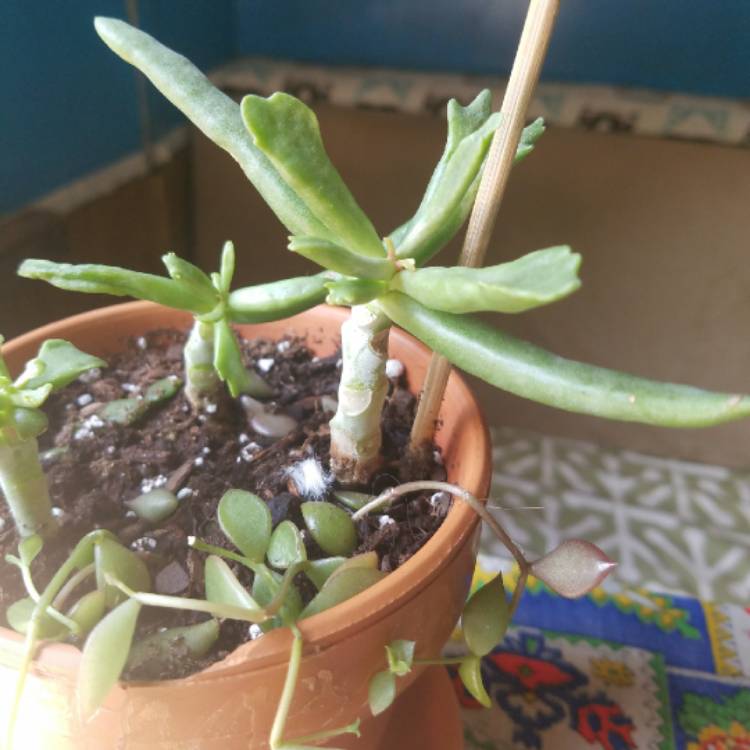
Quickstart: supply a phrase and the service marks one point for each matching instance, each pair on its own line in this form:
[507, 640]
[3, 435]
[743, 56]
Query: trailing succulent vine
[95, 597]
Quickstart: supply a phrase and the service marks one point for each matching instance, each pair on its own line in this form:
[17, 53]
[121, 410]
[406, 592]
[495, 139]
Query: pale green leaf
[286, 546]
[341, 587]
[400, 656]
[58, 363]
[533, 280]
[169, 645]
[331, 527]
[222, 586]
[287, 132]
[353, 500]
[246, 521]
[485, 617]
[115, 561]
[381, 692]
[154, 506]
[230, 367]
[319, 571]
[341, 260]
[104, 656]
[88, 610]
[19, 614]
[470, 672]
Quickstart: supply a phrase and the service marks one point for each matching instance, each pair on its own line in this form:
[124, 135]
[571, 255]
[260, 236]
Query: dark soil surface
[200, 456]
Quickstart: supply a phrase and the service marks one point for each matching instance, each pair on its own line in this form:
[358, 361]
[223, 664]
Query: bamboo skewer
[532, 48]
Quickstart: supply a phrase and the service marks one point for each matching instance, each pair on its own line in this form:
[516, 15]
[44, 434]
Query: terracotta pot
[231, 705]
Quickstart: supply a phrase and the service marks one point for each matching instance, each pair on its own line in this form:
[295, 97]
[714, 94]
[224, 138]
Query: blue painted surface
[698, 46]
[69, 103]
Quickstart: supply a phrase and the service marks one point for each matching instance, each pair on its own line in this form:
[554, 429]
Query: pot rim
[321, 630]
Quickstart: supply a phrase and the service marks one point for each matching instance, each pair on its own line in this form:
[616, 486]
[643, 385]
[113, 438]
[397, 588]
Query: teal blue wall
[68, 104]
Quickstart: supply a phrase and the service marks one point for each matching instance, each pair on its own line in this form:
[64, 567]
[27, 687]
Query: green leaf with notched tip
[331, 527]
[533, 280]
[287, 132]
[381, 692]
[246, 521]
[104, 656]
[341, 587]
[470, 672]
[58, 364]
[485, 617]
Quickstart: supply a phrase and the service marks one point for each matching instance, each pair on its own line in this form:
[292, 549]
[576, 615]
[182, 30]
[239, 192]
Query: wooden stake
[524, 75]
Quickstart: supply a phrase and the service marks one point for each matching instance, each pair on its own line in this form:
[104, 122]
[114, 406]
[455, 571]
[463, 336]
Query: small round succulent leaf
[363, 560]
[266, 585]
[470, 672]
[381, 692]
[574, 568]
[485, 617]
[331, 527]
[286, 546]
[29, 548]
[104, 656]
[246, 521]
[154, 506]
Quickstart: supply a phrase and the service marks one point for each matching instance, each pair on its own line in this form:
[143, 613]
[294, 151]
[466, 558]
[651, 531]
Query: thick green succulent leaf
[339, 259]
[29, 548]
[120, 282]
[19, 614]
[319, 571]
[363, 560]
[339, 588]
[230, 367]
[459, 174]
[531, 372]
[88, 610]
[57, 364]
[154, 506]
[400, 656]
[104, 656]
[167, 645]
[353, 500]
[125, 411]
[222, 586]
[350, 292]
[531, 281]
[286, 130]
[213, 112]
[115, 561]
[485, 617]
[462, 122]
[162, 390]
[331, 527]
[470, 672]
[381, 692]
[246, 521]
[191, 278]
[286, 546]
[226, 272]
[276, 300]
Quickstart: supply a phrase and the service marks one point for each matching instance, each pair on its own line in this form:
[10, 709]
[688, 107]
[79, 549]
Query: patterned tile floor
[673, 526]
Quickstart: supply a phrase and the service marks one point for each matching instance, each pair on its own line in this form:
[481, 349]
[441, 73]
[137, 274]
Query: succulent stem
[25, 488]
[355, 428]
[201, 380]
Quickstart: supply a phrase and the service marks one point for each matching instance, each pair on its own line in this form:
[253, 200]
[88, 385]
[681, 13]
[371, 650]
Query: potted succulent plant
[301, 566]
